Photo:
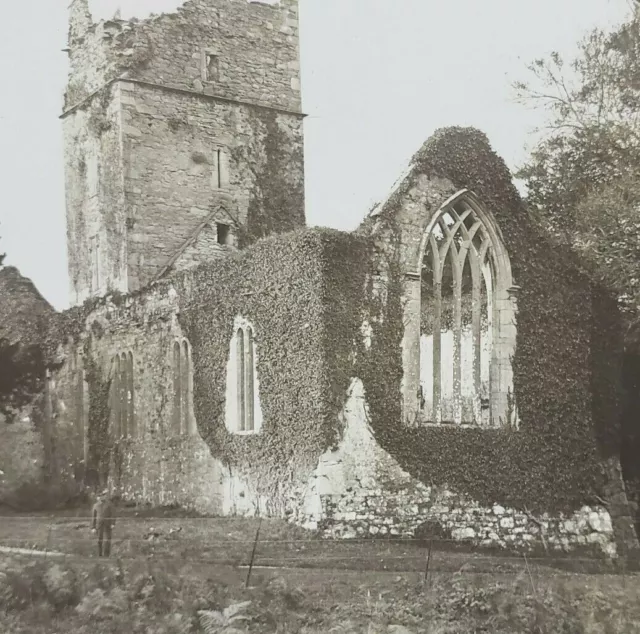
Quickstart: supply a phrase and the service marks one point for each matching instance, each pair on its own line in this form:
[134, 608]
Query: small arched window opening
[182, 419]
[467, 319]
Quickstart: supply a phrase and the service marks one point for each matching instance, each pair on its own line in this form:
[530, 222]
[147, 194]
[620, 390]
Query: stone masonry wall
[156, 464]
[204, 246]
[155, 457]
[155, 142]
[94, 188]
[256, 45]
[359, 490]
[172, 145]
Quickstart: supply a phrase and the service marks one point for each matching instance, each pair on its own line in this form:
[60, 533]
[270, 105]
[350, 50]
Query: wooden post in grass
[48, 546]
[426, 571]
[526, 563]
[253, 554]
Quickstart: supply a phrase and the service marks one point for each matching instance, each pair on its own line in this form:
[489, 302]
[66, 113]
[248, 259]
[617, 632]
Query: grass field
[166, 570]
[173, 534]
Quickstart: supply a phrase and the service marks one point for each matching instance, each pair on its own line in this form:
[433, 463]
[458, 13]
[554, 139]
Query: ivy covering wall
[297, 291]
[566, 366]
[307, 294]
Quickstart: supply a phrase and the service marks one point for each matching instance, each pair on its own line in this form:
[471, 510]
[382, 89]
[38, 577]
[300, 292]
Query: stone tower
[183, 138]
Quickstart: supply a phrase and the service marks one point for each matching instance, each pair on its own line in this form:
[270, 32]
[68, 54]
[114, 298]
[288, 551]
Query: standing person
[104, 520]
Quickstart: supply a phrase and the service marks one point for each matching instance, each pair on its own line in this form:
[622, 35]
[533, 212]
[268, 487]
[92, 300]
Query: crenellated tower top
[240, 49]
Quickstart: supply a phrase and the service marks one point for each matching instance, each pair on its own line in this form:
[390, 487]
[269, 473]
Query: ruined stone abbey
[443, 368]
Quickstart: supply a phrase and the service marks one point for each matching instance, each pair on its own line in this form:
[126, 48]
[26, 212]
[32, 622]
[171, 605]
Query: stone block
[463, 533]
[600, 522]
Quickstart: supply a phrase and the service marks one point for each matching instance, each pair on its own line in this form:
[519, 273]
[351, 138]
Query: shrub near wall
[565, 379]
[291, 289]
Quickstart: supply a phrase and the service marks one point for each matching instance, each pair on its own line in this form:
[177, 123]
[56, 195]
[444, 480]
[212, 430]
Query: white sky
[378, 77]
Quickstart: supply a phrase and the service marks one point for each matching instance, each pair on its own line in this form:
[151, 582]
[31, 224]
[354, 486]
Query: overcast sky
[378, 77]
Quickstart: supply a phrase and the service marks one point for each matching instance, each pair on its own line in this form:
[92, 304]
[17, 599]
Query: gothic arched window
[182, 388]
[467, 319]
[244, 415]
[122, 396]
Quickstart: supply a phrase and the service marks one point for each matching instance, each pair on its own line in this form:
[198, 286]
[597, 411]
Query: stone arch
[460, 329]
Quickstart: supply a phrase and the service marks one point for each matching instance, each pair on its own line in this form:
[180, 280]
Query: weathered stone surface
[463, 533]
[406, 508]
[145, 145]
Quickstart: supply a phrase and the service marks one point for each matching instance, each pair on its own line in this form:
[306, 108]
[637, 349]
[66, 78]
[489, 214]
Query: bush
[101, 605]
[38, 496]
[21, 586]
[61, 587]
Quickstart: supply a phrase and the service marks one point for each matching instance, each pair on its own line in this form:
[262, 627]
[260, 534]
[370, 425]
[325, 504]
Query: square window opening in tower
[224, 234]
[211, 70]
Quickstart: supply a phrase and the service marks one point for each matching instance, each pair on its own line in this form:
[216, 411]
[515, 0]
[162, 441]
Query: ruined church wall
[153, 463]
[560, 458]
[190, 159]
[277, 286]
[359, 490]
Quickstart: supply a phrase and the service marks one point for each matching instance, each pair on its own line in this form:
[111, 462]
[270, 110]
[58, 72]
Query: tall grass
[142, 597]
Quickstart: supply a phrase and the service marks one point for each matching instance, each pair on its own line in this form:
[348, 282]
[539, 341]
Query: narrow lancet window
[241, 379]
[177, 391]
[122, 404]
[185, 387]
[249, 393]
[243, 412]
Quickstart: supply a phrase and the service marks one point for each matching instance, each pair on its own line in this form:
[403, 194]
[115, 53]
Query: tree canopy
[583, 176]
[21, 373]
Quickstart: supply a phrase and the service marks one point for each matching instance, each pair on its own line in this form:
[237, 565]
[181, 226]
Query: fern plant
[225, 622]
